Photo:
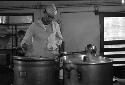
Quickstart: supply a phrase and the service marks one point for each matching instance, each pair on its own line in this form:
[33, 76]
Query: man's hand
[24, 47]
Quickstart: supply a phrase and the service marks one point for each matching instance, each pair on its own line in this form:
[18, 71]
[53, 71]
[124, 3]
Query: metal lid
[79, 59]
[33, 58]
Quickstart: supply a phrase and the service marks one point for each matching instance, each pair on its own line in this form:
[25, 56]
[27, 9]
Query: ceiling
[8, 5]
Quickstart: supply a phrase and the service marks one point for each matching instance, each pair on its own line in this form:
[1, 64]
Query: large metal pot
[35, 71]
[78, 72]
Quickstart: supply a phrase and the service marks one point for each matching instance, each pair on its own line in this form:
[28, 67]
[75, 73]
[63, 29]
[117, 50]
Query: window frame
[114, 42]
[17, 14]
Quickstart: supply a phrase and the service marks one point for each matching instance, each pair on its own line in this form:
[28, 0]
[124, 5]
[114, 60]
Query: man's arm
[58, 35]
[27, 40]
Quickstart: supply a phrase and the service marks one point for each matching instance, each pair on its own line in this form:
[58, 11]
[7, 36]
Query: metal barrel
[35, 71]
[88, 73]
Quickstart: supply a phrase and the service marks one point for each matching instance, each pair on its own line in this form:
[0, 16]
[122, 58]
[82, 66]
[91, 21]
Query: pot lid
[84, 59]
[33, 58]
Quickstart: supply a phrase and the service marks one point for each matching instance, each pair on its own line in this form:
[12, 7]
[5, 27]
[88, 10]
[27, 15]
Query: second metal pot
[87, 73]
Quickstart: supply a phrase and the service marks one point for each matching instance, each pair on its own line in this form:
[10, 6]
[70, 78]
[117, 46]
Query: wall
[80, 29]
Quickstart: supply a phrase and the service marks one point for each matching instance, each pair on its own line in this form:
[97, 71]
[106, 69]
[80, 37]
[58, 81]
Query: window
[113, 36]
[114, 28]
[20, 19]
[15, 18]
[10, 25]
[3, 19]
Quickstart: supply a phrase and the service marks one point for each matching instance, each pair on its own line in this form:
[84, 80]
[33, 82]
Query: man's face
[49, 17]
[21, 36]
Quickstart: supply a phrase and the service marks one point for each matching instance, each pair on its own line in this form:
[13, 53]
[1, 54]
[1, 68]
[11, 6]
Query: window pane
[114, 28]
[20, 19]
[3, 19]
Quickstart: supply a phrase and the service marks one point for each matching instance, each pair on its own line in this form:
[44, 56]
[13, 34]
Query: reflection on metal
[7, 19]
[20, 19]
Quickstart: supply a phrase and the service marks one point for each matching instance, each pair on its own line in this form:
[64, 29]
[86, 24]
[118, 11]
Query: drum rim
[33, 58]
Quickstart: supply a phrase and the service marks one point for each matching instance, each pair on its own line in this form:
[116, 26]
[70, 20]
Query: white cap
[51, 10]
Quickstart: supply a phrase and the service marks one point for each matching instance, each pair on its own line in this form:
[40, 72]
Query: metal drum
[78, 72]
[35, 71]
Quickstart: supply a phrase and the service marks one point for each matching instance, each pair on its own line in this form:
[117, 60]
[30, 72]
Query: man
[20, 34]
[43, 36]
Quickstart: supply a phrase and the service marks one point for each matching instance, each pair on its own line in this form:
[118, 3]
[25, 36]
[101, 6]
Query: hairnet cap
[51, 10]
